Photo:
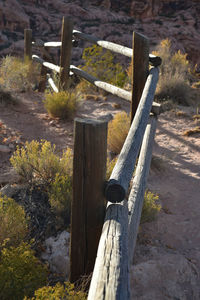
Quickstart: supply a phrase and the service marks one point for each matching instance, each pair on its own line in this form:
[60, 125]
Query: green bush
[117, 131]
[38, 165]
[60, 196]
[62, 104]
[20, 272]
[150, 208]
[58, 292]
[174, 82]
[101, 64]
[37, 162]
[13, 223]
[15, 74]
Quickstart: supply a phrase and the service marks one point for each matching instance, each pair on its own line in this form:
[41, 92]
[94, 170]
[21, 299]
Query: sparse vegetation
[151, 207]
[17, 75]
[38, 165]
[192, 131]
[174, 75]
[13, 223]
[101, 64]
[117, 131]
[21, 273]
[59, 291]
[62, 104]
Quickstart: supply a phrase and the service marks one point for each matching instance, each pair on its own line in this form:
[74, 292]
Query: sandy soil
[175, 176]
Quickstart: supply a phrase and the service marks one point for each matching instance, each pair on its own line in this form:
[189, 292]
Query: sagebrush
[17, 75]
[117, 131]
[57, 292]
[101, 64]
[21, 273]
[62, 104]
[175, 75]
[151, 207]
[38, 165]
[13, 222]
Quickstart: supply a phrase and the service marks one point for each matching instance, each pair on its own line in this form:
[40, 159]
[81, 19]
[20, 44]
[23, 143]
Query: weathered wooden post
[43, 73]
[140, 69]
[88, 206]
[27, 45]
[66, 46]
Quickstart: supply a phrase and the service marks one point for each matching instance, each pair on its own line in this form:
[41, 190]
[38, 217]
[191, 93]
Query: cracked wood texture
[110, 280]
[88, 203]
[124, 167]
[136, 197]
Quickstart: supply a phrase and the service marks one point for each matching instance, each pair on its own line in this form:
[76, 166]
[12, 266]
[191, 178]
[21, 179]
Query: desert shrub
[101, 64]
[37, 162]
[62, 105]
[174, 82]
[13, 223]
[20, 272]
[38, 165]
[60, 196]
[117, 131]
[58, 292]
[150, 208]
[15, 74]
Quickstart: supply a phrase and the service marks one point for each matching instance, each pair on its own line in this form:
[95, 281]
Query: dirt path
[167, 257]
[168, 254]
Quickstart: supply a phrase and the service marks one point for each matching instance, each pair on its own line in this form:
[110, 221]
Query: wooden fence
[111, 230]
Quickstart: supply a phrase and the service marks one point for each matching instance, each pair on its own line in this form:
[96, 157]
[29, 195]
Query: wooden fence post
[140, 69]
[43, 73]
[27, 44]
[66, 46]
[88, 204]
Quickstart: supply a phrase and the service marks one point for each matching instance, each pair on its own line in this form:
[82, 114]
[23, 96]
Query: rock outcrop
[108, 19]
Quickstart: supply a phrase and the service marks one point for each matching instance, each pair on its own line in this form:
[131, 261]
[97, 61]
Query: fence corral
[118, 231]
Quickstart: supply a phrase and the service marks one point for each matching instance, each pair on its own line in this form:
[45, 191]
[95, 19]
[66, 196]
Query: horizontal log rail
[51, 83]
[118, 184]
[136, 197]
[153, 60]
[126, 95]
[46, 64]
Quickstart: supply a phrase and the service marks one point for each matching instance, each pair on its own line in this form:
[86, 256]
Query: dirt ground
[174, 238]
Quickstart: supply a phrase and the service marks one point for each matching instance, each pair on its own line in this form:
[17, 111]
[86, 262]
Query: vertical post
[43, 73]
[27, 45]
[140, 69]
[88, 204]
[66, 46]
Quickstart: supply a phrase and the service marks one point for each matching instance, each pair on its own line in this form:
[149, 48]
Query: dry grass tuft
[181, 114]
[192, 131]
[174, 82]
[17, 75]
[117, 131]
[62, 105]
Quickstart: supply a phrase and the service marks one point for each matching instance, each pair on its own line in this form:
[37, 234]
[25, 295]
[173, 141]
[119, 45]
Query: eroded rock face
[108, 19]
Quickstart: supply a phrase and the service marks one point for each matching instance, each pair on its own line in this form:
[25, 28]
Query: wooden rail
[120, 178]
